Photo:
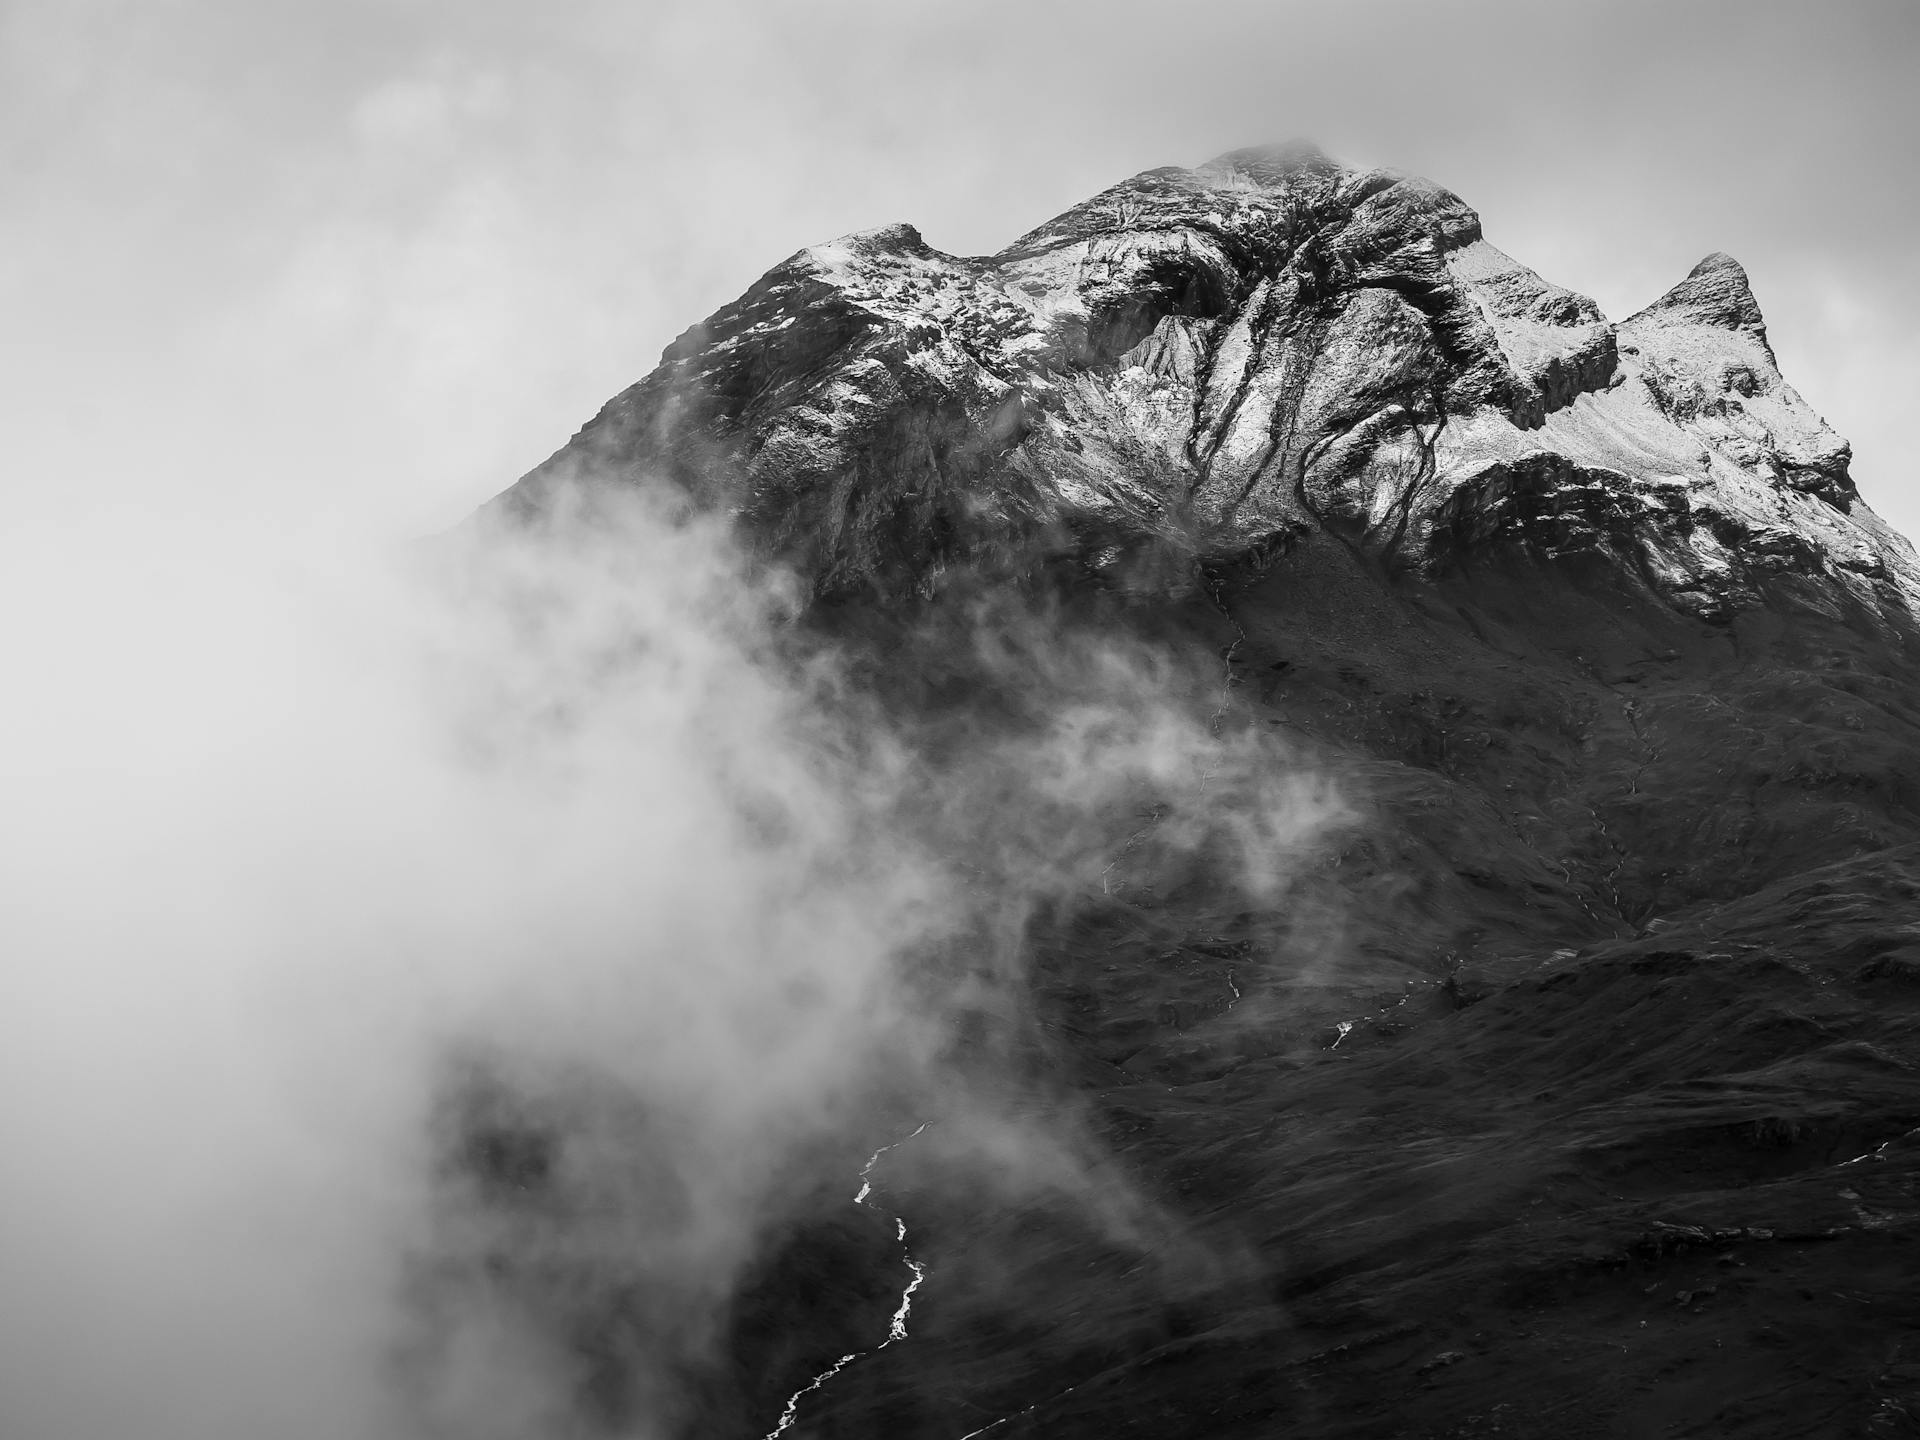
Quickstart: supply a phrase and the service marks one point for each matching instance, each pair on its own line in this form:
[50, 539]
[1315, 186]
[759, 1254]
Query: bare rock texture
[1205, 364]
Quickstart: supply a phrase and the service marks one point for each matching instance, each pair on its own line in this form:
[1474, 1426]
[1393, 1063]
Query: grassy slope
[1628, 932]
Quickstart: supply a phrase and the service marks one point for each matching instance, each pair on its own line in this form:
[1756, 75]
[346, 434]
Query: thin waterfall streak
[896, 1326]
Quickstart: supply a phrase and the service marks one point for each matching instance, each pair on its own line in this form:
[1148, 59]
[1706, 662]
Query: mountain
[1234, 357]
[1582, 1093]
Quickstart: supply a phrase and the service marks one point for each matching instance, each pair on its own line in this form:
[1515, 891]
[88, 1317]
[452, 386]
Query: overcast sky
[361, 263]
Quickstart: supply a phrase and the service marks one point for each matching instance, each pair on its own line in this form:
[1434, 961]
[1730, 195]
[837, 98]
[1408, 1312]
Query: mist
[326, 858]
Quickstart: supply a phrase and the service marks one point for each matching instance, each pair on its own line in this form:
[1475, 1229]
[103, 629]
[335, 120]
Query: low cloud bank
[425, 973]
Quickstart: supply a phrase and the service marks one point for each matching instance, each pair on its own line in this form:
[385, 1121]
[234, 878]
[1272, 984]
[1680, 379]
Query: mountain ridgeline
[1571, 1087]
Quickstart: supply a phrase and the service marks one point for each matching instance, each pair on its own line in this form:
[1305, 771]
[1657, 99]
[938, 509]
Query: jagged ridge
[1197, 365]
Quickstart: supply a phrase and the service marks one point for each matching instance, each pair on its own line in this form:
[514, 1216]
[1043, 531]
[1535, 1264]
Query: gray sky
[361, 263]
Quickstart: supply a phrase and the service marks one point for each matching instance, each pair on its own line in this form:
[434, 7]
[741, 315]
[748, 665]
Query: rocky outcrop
[1701, 351]
[1195, 366]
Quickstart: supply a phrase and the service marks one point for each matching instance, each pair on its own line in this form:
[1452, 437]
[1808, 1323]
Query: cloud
[329, 869]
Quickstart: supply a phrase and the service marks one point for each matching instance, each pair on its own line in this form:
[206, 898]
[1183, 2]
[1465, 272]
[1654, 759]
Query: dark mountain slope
[1538, 1104]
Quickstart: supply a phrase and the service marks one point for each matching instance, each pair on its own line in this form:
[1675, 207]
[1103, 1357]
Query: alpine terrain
[1567, 1082]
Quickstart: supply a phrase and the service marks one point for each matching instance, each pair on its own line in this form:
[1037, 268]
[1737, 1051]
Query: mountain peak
[1195, 366]
[1278, 162]
[1716, 292]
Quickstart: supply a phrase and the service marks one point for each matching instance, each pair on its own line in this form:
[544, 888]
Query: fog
[309, 845]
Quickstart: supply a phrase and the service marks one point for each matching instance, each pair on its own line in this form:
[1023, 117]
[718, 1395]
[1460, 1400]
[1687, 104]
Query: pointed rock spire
[1715, 292]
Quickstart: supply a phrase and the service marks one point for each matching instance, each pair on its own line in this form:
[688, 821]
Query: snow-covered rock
[1195, 367]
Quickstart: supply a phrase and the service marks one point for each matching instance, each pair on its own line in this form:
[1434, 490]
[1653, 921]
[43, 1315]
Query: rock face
[1210, 363]
[1574, 1090]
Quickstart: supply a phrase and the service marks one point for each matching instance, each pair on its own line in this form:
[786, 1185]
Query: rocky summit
[1233, 358]
[1572, 1088]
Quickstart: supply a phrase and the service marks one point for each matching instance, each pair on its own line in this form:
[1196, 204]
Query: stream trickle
[1347, 1027]
[896, 1327]
[1019, 1414]
[1879, 1152]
